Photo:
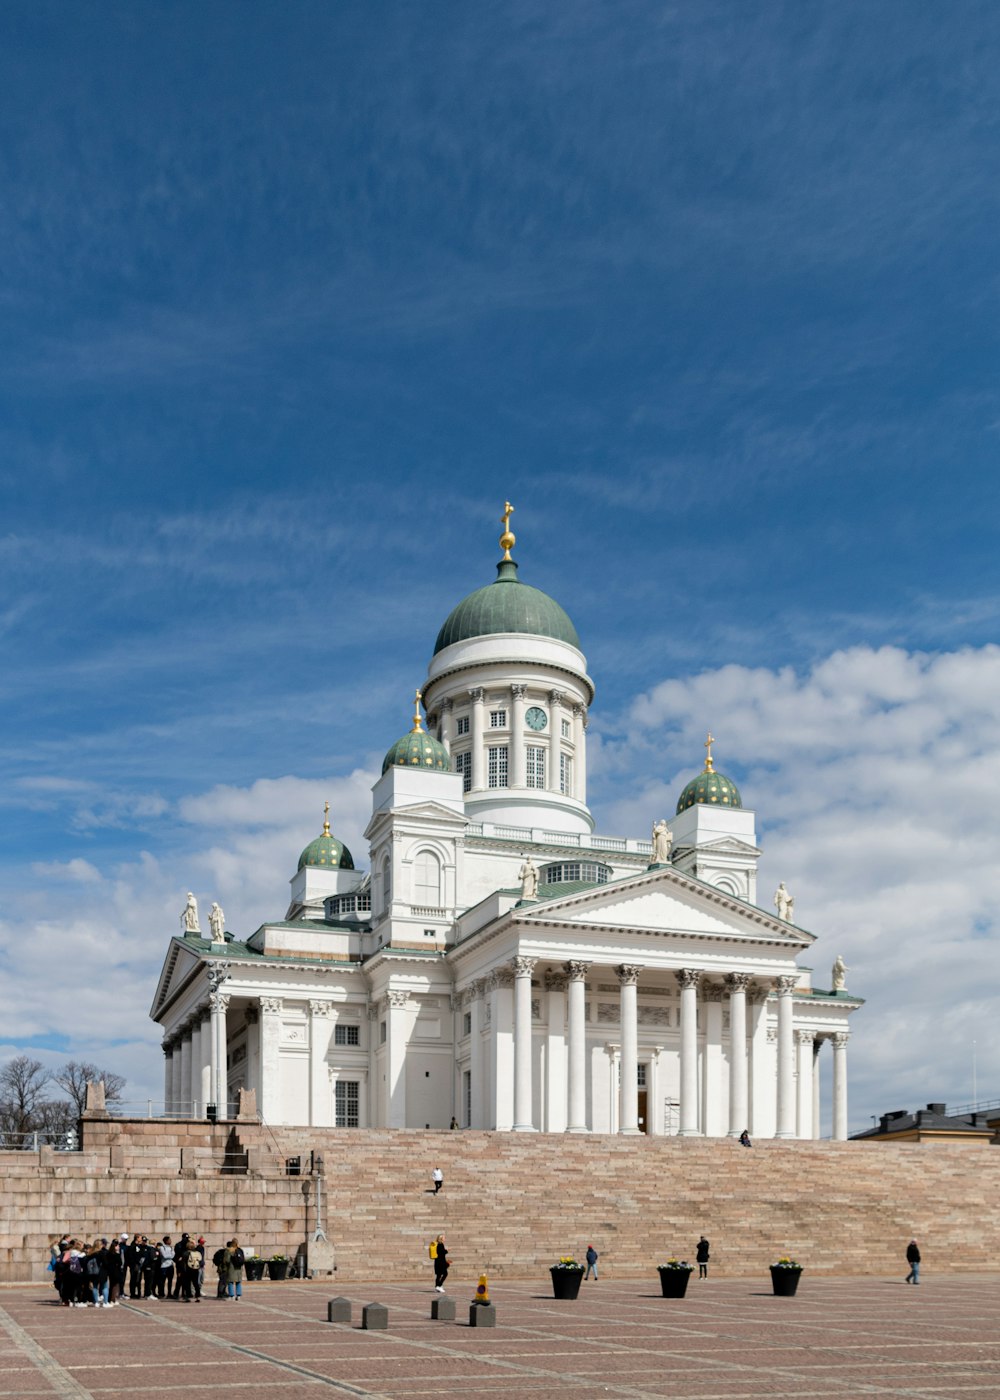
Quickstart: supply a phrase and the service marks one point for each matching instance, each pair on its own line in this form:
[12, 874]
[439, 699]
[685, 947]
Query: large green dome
[506, 605]
[327, 851]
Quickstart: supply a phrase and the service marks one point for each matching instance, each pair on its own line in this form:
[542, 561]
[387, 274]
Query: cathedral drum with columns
[500, 962]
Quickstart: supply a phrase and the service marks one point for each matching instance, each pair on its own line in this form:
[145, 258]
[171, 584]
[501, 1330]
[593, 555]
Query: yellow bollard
[483, 1290]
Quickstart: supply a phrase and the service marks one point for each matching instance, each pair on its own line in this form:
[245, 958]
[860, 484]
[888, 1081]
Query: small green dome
[506, 605]
[417, 749]
[327, 851]
[714, 789]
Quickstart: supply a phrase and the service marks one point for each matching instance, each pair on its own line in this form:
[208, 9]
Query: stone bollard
[482, 1315]
[338, 1310]
[443, 1309]
[375, 1317]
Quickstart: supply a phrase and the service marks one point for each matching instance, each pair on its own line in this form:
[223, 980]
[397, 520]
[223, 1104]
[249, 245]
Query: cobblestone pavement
[728, 1338]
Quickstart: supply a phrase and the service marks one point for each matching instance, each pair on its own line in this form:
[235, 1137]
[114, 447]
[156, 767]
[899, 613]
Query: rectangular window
[382, 1032]
[498, 719]
[497, 773]
[565, 728]
[467, 1023]
[640, 1076]
[566, 774]
[467, 1097]
[535, 758]
[347, 1098]
[346, 1035]
[462, 725]
[463, 765]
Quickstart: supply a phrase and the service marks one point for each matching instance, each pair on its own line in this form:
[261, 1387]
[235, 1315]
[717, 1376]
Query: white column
[185, 1097]
[840, 1087]
[269, 1098]
[786, 1059]
[804, 1046]
[556, 698]
[688, 979]
[397, 1025]
[195, 1107]
[580, 752]
[763, 1078]
[737, 982]
[523, 968]
[577, 1027]
[219, 1004]
[817, 1046]
[518, 775]
[501, 981]
[628, 1088]
[447, 722]
[478, 754]
[555, 1053]
[205, 1057]
[168, 1076]
[714, 1112]
[320, 1093]
[474, 997]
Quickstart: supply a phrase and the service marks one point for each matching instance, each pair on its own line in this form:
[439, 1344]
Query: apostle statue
[840, 971]
[784, 903]
[662, 841]
[189, 919]
[528, 875]
[217, 923]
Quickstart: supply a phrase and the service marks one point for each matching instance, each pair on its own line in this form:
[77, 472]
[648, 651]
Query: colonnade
[796, 1051]
[558, 706]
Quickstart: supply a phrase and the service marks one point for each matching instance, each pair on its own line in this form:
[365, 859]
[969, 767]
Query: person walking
[913, 1259]
[437, 1176]
[592, 1257]
[441, 1264]
[701, 1257]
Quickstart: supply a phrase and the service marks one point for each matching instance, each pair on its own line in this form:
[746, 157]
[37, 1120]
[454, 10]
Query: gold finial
[417, 697]
[508, 539]
[709, 761]
[326, 819]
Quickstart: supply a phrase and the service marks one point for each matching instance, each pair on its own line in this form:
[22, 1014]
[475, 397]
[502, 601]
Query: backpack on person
[93, 1266]
[218, 1257]
[75, 1264]
[432, 1249]
[239, 1258]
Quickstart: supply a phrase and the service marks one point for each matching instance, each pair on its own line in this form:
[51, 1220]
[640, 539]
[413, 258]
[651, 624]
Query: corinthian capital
[576, 971]
[628, 974]
[737, 981]
[786, 985]
[687, 977]
[523, 967]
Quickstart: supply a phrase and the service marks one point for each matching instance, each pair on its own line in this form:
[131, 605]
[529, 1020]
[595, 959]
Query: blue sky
[292, 297]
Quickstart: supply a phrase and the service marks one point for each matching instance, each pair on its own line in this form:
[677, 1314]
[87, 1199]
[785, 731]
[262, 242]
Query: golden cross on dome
[326, 819]
[508, 539]
[709, 761]
[417, 697]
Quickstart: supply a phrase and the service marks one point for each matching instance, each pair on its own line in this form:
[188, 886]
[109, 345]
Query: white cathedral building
[500, 963]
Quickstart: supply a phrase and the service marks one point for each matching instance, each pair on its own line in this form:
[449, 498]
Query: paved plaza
[728, 1338]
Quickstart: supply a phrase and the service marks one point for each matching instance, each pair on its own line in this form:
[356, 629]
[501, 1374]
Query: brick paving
[728, 1338]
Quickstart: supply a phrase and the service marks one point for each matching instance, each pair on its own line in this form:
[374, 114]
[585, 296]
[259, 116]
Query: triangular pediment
[664, 901]
[435, 813]
[181, 961]
[726, 845]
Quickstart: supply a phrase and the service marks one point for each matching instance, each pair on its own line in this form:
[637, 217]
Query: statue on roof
[662, 841]
[528, 875]
[784, 903]
[839, 974]
[217, 923]
[189, 919]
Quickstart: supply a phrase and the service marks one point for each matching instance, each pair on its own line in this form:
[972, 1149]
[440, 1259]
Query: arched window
[427, 879]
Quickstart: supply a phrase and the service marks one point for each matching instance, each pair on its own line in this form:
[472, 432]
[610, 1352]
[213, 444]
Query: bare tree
[74, 1077]
[23, 1092]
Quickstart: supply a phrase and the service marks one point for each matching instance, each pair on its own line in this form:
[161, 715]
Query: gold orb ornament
[508, 539]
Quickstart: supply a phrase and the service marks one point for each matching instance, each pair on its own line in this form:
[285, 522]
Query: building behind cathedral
[499, 963]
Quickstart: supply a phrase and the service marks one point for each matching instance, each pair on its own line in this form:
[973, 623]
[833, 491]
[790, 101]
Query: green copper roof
[329, 852]
[506, 605]
[417, 750]
[714, 789]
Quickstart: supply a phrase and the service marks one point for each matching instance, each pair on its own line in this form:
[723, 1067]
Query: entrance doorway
[643, 1116]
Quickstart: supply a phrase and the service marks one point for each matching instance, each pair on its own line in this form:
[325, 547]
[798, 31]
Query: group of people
[701, 1258]
[103, 1273]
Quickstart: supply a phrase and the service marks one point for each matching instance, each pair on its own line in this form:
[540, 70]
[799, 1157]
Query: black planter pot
[674, 1282]
[277, 1269]
[254, 1270]
[566, 1282]
[785, 1281]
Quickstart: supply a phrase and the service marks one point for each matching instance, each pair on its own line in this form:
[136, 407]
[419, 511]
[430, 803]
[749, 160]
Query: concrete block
[482, 1315]
[443, 1310]
[338, 1310]
[320, 1257]
[375, 1317]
